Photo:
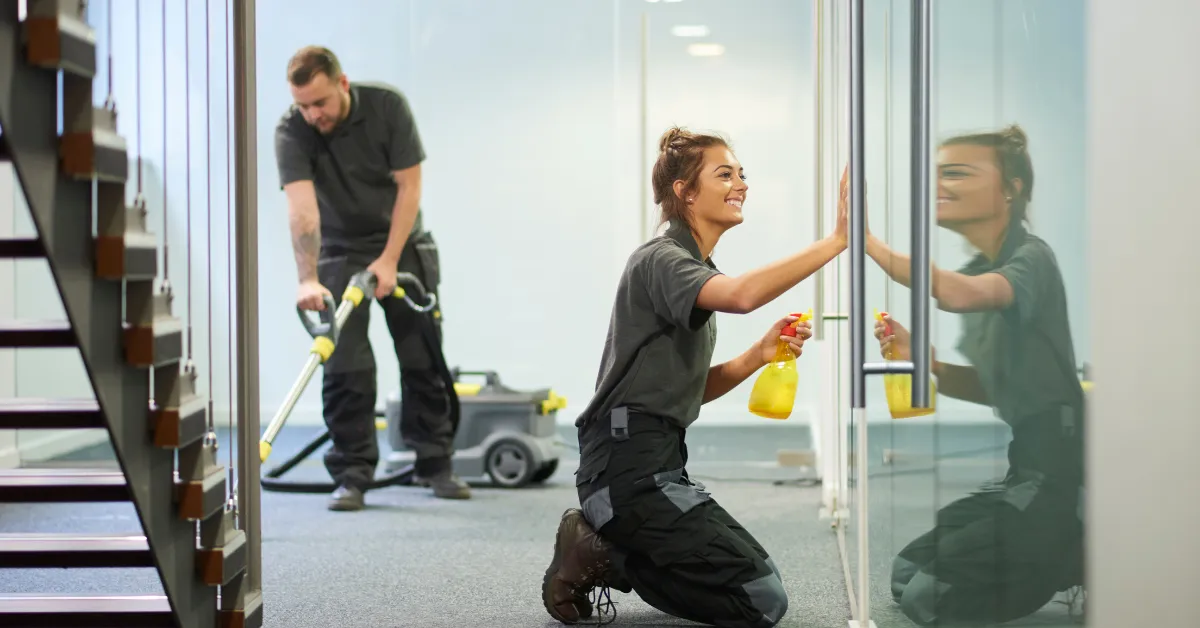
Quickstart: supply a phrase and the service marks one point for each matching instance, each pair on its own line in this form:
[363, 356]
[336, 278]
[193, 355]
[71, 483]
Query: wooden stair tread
[21, 248]
[64, 551]
[62, 486]
[32, 325]
[37, 413]
[46, 334]
[95, 477]
[86, 603]
[36, 605]
[48, 404]
[41, 542]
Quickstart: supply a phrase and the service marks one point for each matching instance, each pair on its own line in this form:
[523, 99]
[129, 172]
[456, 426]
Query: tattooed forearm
[306, 242]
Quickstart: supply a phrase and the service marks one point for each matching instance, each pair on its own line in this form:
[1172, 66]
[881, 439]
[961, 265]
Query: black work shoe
[346, 498]
[446, 485]
[581, 560]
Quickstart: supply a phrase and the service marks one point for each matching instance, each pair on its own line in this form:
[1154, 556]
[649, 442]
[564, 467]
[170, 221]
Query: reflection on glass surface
[976, 515]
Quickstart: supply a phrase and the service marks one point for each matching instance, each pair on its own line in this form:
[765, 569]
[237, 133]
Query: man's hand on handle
[384, 270]
[311, 295]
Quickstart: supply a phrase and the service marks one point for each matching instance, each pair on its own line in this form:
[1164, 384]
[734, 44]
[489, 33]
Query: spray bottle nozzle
[879, 317]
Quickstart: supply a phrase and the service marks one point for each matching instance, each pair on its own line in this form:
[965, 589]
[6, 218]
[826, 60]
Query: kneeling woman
[644, 525]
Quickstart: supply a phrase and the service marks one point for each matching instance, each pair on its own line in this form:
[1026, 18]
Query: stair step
[248, 616]
[61, 551]
[40, 334]
[60, 40]
[52, 414]
[218, 566]
[157, 344]
[175, 428]
[125, 248]
[62, 486]
[132, 256]
[106, 611]
[96, 152]
[21, 248]
[200, 499]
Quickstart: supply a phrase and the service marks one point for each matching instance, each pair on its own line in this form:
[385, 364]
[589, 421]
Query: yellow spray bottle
[898, 388]
[774, 391]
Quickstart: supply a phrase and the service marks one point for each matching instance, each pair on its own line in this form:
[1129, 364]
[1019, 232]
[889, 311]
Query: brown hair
[1012, 154]
[680, 157]
[310, 61]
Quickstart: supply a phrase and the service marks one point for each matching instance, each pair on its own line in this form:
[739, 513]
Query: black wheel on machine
[546, 472]
[510, 464]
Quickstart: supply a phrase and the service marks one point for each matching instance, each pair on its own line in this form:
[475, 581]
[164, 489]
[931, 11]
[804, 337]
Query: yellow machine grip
[322, 347]
[554, 402]
[264, 450]
[399, 292]
[354, 294]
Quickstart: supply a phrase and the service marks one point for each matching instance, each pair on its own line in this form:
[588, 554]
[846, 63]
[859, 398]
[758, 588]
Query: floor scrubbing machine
[491, 420]
[506, 437]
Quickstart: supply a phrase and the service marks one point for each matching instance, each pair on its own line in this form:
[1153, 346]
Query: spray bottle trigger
[887, 328]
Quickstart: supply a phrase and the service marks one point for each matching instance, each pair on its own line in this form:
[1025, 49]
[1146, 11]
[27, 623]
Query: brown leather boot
[581, 559]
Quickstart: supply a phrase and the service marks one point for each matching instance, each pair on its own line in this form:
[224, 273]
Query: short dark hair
[310, 61]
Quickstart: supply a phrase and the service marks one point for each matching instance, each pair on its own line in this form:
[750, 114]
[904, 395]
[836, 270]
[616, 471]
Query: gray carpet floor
[415, 561]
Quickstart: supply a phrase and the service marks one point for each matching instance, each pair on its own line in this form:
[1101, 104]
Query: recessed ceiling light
[690, 31]
[706, 50]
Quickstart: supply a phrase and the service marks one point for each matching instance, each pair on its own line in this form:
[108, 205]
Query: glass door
[973, 511]
[889, 248]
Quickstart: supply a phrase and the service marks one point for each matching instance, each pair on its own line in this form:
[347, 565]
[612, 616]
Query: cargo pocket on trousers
[597, 506]
[672, 522]
[686, 495]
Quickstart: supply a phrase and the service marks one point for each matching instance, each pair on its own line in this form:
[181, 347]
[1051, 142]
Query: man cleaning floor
[349, 159]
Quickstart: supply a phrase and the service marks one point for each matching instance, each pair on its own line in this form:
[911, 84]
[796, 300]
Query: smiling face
[720, 189]
[324, 102]
[970, 186]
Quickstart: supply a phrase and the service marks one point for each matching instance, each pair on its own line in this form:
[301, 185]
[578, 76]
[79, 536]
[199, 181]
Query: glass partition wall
[968, 512]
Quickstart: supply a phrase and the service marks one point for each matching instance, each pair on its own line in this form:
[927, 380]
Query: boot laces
[604, 609]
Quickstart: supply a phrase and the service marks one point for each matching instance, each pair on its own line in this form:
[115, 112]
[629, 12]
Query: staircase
[167, 460]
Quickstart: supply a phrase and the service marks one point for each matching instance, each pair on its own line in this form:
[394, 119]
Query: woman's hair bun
[674, 137]
[1015, 136]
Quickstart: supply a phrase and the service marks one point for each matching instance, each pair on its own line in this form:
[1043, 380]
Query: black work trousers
[1004, 551]
[674, 545]
[349, 390]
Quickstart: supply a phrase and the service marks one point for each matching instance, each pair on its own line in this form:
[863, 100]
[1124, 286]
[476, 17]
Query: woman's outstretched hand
[767, 345]
[841, 230]
[843, 225]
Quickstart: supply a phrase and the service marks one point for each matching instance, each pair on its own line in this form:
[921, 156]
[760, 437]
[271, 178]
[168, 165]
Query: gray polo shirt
[1023, 354]
[351, 168]
[660, 345]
